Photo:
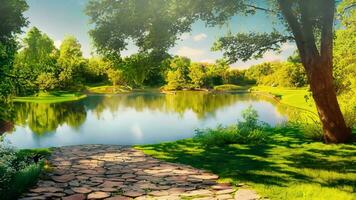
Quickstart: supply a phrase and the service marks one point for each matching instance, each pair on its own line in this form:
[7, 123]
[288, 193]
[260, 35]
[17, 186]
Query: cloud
[189, 52]
[207, 61]
[57, 43]
[200, 37]
[184, 36]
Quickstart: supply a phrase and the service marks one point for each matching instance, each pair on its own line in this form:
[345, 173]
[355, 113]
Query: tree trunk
[323, 91]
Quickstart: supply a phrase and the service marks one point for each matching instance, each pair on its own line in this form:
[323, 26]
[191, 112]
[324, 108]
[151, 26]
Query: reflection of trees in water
[42, 118]
[201, 103]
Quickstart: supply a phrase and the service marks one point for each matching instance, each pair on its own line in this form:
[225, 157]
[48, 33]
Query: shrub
[248, 131]
[18, 169]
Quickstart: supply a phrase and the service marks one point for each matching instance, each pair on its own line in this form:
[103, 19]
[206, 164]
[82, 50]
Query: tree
[310, 23]
[46, 81]
[116, 77]
[12, 20]
[178, 74]
[37, 56]
[197, 75]
[156, 24]
[71, 62]
[153, 25]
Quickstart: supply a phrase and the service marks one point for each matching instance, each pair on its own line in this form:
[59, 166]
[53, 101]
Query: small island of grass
[51, 97]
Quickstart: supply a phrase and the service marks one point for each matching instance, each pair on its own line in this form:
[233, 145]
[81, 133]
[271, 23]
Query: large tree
[156, 25]
[12, 20]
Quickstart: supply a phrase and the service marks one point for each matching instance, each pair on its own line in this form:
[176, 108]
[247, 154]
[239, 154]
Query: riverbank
[287, 167]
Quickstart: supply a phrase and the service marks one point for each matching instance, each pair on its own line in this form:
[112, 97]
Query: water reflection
[138, 118]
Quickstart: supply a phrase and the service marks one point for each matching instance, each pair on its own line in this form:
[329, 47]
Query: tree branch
[260, 8]
[287, 12]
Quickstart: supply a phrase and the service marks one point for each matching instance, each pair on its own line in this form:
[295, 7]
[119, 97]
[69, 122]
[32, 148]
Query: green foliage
[248, 131]
[18, 170]
[198, 75]
[154, 25]
[71, 62]
[244, 46]
[178, 75]
[116, 77]
[46, 81]
[96, 70]
[282, 74]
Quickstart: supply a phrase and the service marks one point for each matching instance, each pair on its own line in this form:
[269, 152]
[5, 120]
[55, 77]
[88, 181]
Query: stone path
[122, 173]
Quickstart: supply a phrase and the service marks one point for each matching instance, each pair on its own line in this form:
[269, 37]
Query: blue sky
[67, 17]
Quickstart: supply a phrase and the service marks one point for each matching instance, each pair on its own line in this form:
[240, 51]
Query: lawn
[52, 97]
[297, 97]
[287, 167]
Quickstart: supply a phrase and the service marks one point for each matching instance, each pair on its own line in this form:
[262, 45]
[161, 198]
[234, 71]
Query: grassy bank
[296, 97]
[107, 89]
[287, 167]
[51, 97]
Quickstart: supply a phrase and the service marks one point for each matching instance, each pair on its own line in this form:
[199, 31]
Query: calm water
[127, 119]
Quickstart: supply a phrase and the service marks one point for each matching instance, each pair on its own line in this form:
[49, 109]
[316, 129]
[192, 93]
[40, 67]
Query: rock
[74, 197]
[63, 178]
[133, 194]
[98, 195]
[81, 190]
[118, 198]
[227, 191]
[46, 189]
[246, 194]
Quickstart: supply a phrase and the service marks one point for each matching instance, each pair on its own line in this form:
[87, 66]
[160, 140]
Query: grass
[28, 176]
[287, 167]
[230, 87]
[51, 97]
[107, 89]
[295, 97]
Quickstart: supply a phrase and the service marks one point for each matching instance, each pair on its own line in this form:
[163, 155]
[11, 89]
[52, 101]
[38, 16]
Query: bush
[248, 131]
[18, 170]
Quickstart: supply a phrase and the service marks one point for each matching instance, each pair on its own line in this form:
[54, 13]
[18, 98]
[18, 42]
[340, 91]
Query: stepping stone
[118, 198]
[98, 195]
[133, 194]
[74, 197]
[246, 194]
[46, 189]
[81, 190]
[63, 178]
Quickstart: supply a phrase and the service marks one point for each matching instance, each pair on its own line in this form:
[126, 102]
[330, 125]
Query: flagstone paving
[123, 173]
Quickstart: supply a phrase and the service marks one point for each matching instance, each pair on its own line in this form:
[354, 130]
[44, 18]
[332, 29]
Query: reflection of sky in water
[126, 125]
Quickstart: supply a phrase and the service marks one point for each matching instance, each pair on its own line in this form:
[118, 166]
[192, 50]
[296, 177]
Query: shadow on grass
[287, 159]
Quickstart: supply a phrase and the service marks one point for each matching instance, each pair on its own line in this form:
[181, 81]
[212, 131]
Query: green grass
[230, 87]
[289, 96]
[287, 167]
[52, 97]
[107, 89]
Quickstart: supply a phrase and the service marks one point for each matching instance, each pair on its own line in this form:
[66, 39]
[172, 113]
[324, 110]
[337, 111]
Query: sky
[66, 17]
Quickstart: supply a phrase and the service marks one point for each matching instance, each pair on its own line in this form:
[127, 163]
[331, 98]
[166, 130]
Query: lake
[135, 118]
